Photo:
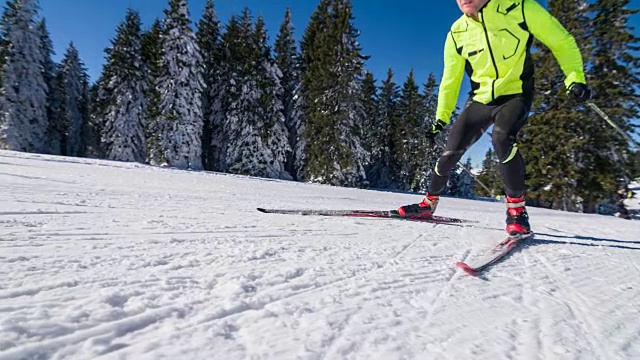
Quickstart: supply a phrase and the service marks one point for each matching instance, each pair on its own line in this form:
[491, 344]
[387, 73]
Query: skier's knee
[505, 146]
[447, 162]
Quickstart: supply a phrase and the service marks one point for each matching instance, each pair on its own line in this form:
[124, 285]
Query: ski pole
[469, 172]
[608, 120]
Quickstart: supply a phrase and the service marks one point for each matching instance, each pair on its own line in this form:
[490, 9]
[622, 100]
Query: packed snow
[114, 260]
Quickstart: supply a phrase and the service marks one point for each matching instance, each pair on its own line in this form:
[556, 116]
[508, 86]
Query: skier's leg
[508, 120]
[468, 128]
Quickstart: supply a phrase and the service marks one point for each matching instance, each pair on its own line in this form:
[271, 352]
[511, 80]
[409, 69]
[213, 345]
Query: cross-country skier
[492, 42]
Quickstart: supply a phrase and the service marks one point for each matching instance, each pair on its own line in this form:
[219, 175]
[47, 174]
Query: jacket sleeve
[550, 32]
[451, 80]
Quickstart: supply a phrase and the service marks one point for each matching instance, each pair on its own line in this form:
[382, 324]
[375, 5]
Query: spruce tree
[23, 99]
[490, 175]
[332, 82]
[73, 114]
[254, 127]
[313, 59]
[615, 81]
[209, 42]
[287, 59]
[409, 137]
[431, 151]
[465, 182]
[124, 110]
[384, 164]
[181, 87]
[551, 142]
[49, 68]
[93, 130]
[151, 49]
[370, 122]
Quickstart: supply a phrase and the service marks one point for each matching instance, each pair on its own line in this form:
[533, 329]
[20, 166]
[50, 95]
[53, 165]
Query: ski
[492, 256]
[384, 214]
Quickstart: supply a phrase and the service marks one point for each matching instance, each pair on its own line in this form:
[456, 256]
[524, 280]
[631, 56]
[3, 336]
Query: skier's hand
[580, 92]
[436, 128]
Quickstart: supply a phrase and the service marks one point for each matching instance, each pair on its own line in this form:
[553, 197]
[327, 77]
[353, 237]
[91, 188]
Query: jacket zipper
[493, 60]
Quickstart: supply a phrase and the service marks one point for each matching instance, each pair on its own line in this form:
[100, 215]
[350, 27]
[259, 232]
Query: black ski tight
[508, 114]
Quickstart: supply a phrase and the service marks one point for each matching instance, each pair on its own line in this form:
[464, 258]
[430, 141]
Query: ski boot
[517, 217]
[424, 209]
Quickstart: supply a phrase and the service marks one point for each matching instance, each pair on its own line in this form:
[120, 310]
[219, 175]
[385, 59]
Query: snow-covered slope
[122, 261]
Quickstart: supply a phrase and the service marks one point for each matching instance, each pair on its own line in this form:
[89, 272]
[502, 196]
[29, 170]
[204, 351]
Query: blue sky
[399, 34]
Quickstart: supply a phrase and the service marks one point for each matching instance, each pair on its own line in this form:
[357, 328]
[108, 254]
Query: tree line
[220, 98]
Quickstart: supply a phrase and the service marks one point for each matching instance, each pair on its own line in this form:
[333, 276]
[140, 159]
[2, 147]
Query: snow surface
[112, 260]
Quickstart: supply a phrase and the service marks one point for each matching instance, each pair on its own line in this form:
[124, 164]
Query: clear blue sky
[399, 34]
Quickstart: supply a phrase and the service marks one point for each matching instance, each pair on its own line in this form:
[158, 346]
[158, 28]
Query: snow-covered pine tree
[409, 136]
[208, 37]
[49, 68]
[287, 59]
[384, 162]
[370, 123]
[466, 183]
[93, 130]
[152, 58]
[257, 142]
[613, 74]
[430, 152]
[490, 175]
[551, 142]
[332, 81]
[23, 95]
[181, 87]
[73, 79]
[232, 44]
[123, 134]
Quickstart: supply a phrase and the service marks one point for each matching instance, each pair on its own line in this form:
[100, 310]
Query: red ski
[494, 255]
[383, 214]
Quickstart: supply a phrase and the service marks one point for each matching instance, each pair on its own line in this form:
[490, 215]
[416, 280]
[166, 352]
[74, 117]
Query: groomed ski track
[112, 260]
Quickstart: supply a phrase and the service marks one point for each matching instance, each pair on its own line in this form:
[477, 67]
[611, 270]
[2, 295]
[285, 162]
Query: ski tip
[466, 268]
[262, 210]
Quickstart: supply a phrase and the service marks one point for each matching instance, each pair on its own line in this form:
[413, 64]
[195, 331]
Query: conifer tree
[73, 112]
[151, 49]
[209, 42]
[254, 127]
[431, 150]
[124, 109]
[332, 82]
[615, 80]
[287, 59]
[313, 57]
[551, 141]
[383, 159]
[232, 44]
[490, 175]
[370, 120]
[23, 99]
[93, 130]
[465, 183]
[49, 68]
[409, 137]
[181, 87]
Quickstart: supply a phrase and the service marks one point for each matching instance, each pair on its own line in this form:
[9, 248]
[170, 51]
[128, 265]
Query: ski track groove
[409, 245]
[535, 330]
[224, 314]
[576, 298]
[108, 332]
[337, 331]
[445, 288]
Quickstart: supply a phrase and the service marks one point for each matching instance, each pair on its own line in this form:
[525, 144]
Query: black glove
[580, 92]
[436, 128]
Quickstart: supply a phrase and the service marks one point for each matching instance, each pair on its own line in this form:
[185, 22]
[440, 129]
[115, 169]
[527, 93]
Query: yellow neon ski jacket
[495, 52]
